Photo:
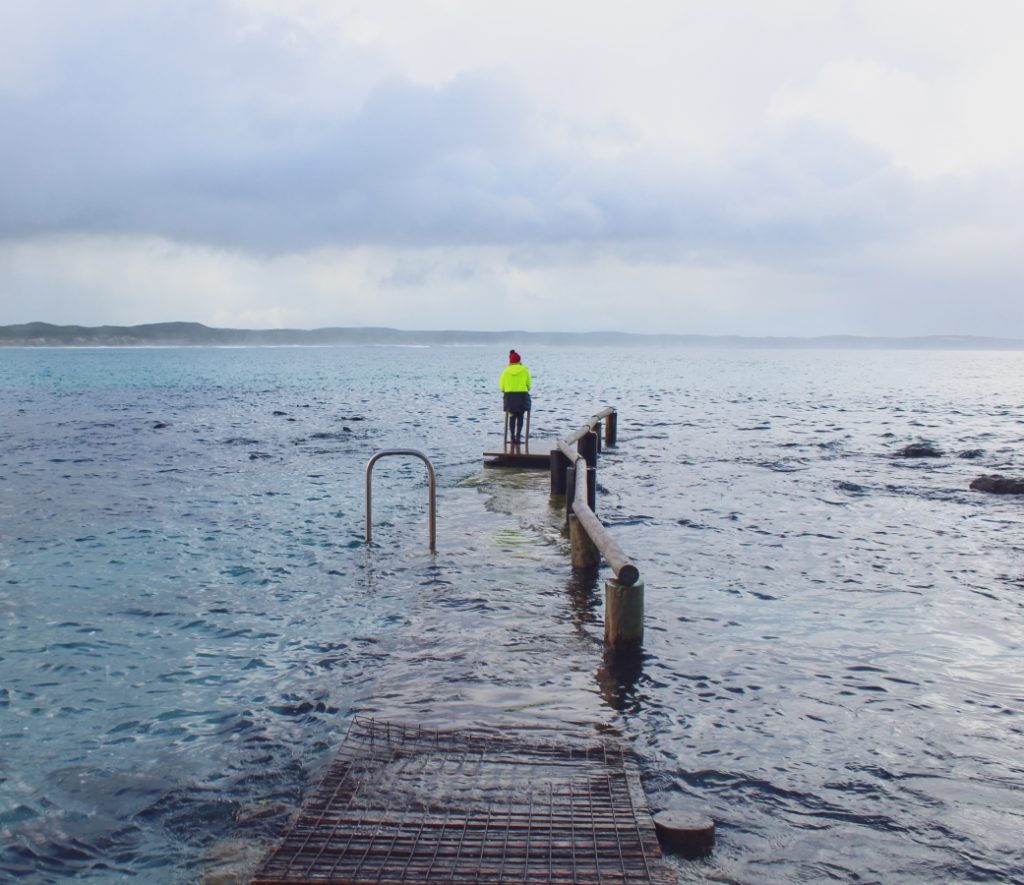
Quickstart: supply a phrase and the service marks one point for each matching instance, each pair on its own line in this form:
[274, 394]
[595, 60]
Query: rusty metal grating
[404, 804]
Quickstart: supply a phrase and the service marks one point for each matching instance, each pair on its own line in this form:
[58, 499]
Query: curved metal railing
[432, 483]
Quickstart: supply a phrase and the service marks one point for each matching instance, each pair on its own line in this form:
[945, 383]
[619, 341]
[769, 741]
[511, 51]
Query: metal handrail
[432, 483]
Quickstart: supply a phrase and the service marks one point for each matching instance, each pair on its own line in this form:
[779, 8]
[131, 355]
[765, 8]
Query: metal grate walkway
[402, 804]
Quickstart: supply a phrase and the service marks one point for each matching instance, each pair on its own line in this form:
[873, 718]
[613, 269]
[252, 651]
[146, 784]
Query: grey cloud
[187, 133]
[813, 190]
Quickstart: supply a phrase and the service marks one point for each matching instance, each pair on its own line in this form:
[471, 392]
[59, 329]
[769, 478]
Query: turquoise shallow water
[190, 617]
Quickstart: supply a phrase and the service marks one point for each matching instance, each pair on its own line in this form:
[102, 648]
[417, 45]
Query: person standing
[515, 385]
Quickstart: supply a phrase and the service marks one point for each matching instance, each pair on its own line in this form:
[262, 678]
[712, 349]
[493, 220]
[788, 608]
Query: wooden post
[598, 434]
[585, 554]
[559, 465]
[587, 447]
[689, 833]
[611, 430]
[570, 492]
[623, 613]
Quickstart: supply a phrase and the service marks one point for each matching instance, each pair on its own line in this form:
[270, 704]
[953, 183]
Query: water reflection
[585, 599]
[619, 675]
[621, 668]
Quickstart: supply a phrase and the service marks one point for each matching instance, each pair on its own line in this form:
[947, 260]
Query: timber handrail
[626, 573]
[567, 449]
[432, 484]
[587, 428]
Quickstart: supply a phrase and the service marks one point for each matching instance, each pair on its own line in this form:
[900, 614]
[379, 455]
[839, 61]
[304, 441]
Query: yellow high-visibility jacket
[515, 379]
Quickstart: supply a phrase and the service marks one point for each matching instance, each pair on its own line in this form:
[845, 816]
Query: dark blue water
[190, 618]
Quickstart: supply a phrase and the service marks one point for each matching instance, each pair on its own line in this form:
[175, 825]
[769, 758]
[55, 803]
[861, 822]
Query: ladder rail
[431, 482]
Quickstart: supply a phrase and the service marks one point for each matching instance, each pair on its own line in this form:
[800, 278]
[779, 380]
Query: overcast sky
[766, 167]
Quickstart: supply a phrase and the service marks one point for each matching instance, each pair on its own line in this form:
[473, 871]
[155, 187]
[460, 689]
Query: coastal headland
[185, 334]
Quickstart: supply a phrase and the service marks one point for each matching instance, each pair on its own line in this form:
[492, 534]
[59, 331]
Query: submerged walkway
[403, 804]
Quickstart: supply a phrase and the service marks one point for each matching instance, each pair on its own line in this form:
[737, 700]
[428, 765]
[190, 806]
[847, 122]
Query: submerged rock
[919, 450]
[998, 485]
[972, 454]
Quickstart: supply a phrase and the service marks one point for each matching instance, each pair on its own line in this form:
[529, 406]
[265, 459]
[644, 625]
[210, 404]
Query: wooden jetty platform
[529, 455]
[404, 804]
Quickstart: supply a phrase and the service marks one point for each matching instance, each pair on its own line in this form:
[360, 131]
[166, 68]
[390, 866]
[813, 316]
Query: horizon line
[946, 336]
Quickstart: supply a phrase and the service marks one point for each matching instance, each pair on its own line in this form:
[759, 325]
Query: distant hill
[198, 335]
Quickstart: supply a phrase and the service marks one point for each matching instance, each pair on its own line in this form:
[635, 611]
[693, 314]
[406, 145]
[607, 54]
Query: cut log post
[623, 613]
[689, 833]
[611, 430]
[559, 465]
[587, 448]
[585, 554]
[570, 492]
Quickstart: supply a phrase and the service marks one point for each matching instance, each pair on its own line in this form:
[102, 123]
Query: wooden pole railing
[574, 474]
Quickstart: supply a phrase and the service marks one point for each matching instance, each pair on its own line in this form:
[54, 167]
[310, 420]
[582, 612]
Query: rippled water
[832, 666]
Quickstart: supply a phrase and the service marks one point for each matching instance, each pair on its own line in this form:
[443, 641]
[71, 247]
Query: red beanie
[513, 357]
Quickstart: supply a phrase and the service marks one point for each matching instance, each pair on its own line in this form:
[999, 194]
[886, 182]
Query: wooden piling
[611, 430]
[689, 833]
[585, 554]
[559, 465]
[623, 614]
[570, 493]
[587, 448]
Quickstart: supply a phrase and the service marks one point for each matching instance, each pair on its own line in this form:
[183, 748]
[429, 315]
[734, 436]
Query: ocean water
[189, 615]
